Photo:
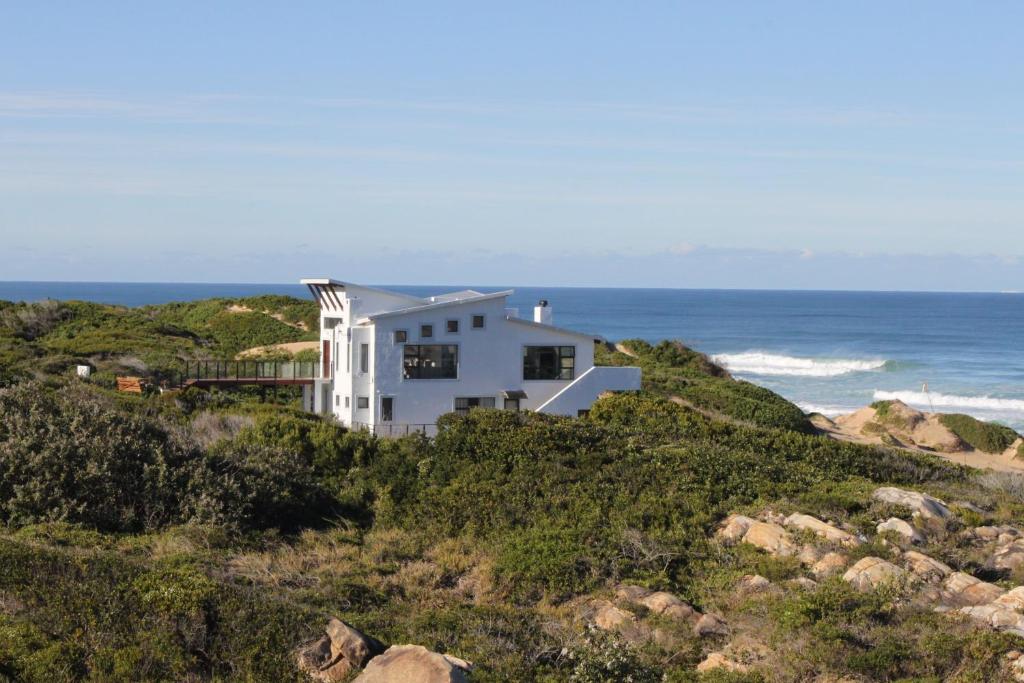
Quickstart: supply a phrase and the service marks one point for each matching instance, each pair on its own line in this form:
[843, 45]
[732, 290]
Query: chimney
[542, 312]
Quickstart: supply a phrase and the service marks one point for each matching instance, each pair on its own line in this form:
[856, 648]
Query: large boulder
[1013, 599]
[823, 529]
[922, 504]
[997, 617]
[414, 663]
[829, 564]
[902, 529]
[710, 625]
[871, 572]
[733, 528]
[668, 605]
[1009, 557]
[771, 538]
[608, 617]
[962, 590]
[924, 567]
[333, 657]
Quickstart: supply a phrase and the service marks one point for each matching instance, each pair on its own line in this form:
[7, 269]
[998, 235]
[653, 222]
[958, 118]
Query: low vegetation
[196, 536]
[984, 436]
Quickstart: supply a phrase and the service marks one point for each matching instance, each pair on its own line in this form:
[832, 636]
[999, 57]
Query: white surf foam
[758, 363]
[919, 399]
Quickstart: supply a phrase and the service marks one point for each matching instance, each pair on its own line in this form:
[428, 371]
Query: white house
[393, 363]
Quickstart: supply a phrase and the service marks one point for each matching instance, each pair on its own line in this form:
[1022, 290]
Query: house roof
[551, 328]
[445, 303]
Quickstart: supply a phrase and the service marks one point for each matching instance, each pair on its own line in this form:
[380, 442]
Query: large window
[364, 358]
[430, 361]
[549, 362]
[464, 403]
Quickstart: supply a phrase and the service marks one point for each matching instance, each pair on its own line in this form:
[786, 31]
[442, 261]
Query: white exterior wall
[490, 359]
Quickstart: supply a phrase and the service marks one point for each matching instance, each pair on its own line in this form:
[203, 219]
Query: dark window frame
[471, 402]
[401, 336]
[481, 318]
[427, 331]
[364, 358]
[414, 357]
[362, 402]
[542, 362]
[448, 326]
[387, 414]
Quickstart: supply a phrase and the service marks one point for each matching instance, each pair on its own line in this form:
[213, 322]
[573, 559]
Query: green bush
[984, 436]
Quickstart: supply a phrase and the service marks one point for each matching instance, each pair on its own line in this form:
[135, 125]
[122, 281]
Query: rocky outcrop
[710, 625]
[415, 663]
[733, 528]
[608, 617]
[922, 504]
[717, 660]
[658, 602]
[827, 531]
[1010, 556]
[997, 617]
[961, 590]
[829, 564]
[334, 656]
[924, 567]
[902, 529]
[871, 572]
[754, 583]
[771, 538]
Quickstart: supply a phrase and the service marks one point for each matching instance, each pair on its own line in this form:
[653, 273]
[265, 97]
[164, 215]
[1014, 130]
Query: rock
[316, 661]
[334, 656]
[668, 605]
[871, 572]
[1013, 599]
[829, 564]
[353, 645]
[924, 567]
[986, 533]
[804, 583]
[823, 529]
[961, 590]
[716, 660]
[902, 529]
[1009, 557]
[921, 503]
[414, 663]
[608, 617]
[809, 555]
[773, 517]
[710, 625]
[771, 538]
[996, 616]
[733, 528]
[754, 583]
[631, 593]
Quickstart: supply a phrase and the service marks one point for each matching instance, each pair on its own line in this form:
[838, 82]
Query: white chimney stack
[542, 313]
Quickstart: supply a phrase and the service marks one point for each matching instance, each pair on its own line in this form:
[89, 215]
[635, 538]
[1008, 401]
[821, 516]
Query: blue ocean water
[831, 352]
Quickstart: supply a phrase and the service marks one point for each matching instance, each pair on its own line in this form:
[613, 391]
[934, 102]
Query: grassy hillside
[202, 537]
[49, 337]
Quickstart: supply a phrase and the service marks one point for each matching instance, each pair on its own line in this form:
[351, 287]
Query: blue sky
[784, 144]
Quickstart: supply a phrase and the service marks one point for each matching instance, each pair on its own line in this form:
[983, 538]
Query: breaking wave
[922, 400]
[757, 363]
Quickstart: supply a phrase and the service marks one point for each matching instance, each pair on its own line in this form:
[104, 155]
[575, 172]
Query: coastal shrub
[234, 332]
[984, 436]
[29, 321]
[64, 455]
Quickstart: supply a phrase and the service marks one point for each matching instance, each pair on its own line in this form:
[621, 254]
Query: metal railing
[251, 371]
[396, 429]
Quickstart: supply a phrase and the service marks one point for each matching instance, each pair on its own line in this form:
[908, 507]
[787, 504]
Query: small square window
[426, 331]
[362, 402]
[452, 326]
[478, 322]
[401, 336]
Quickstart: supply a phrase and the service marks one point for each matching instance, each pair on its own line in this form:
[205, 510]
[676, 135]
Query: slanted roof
[551, 328]
[478, 297]
[456, 296]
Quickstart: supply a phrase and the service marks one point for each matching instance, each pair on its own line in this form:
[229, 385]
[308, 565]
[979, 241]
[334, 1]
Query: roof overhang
[514, 393]
[437, 305]
[325, 291]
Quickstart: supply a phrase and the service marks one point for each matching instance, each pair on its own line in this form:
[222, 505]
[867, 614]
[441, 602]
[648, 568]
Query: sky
[871, 145]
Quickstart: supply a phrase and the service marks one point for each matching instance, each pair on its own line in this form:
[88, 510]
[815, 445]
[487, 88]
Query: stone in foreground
[922, 504]
[871, 572]
[823, 529]
[415, 663]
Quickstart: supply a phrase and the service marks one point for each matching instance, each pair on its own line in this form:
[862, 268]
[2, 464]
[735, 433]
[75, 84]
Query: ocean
[829, 352]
